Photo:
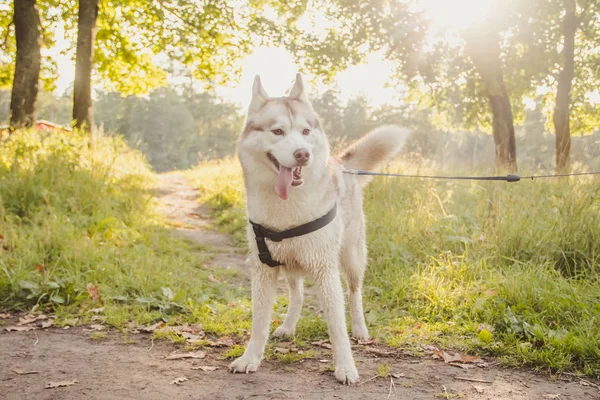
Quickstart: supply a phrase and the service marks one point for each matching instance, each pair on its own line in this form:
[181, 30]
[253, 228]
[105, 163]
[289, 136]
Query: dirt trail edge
[113, 369]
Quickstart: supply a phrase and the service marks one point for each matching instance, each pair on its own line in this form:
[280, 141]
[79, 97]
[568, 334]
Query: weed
[234, 352]
[171, 336]
[98, 335]
[328, 368]
[383, 370]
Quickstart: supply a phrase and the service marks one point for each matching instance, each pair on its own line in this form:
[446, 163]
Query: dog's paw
[283, 332]
[346, 374]
[244, 364]
[360, 333]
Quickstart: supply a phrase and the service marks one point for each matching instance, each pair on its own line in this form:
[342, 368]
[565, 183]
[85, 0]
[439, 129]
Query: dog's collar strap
[261, 233]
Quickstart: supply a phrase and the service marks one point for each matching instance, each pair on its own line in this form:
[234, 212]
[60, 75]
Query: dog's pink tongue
[284, 180]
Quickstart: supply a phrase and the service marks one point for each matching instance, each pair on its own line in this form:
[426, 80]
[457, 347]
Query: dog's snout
[301, 156]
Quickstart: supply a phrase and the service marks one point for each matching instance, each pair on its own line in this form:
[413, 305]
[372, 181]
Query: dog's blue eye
[277, 132]
[306, 132]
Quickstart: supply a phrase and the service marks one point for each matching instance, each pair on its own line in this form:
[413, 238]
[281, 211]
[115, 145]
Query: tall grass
[510, 270]
[72, 216]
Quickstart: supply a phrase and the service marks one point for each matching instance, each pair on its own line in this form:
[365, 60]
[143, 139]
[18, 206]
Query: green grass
[234, 352]
[71, 216]
[446, 257]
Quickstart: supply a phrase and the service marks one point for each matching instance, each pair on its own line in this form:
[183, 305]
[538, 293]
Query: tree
[174, 130]
[84, 60]
[330, 110]
[27, 65]
[559, 39]
[459, 73]
[561, 117]
[484, 50]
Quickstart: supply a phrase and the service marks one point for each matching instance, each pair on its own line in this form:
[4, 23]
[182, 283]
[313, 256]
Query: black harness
[263, 233]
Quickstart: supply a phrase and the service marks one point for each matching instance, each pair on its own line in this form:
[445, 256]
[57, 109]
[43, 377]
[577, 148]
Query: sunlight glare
[456, 14]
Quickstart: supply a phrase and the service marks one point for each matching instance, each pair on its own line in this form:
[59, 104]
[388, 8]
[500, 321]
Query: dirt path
[113, 368]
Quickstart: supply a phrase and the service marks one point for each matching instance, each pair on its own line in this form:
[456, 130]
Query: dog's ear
[298, 92]
[259, 96]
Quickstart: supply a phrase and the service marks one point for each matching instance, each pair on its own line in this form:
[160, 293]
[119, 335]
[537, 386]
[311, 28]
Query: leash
[507, 178]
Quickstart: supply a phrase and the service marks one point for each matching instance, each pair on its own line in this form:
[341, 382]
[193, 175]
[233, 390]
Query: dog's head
[282, 142]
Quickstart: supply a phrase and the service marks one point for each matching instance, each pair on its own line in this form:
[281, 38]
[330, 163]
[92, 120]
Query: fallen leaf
[4, 315]
[418, 325]
[71, 322]
[151, 328]
[19, 371]
[98, 318]
[583, 382]
[29, 318]
[461, 365]
[213, 279]
[448, 358]
[94, 328]
[40, 268]
[205, 368]
[94, 292]
[178, 356]
[47, 324]
[368, 342]
[20, 328]
[52, 385]
[322, 343]
[179, 380]
[282, 350]
[378, 352]
[221, 342]
[478, 389]
[190, 337]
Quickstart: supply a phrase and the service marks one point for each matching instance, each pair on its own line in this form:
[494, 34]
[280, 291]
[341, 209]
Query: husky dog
[291, 179]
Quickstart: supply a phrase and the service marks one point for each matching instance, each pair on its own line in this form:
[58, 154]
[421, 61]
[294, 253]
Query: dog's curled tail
[374, 150]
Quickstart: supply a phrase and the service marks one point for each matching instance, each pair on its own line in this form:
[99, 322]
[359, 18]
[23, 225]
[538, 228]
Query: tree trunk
[484, 50]
[27, 68]
[563, 93]
[84, 61]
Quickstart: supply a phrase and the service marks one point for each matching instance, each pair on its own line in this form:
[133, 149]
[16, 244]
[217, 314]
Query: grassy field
[509, 270]
[79, 231]
[496, 269]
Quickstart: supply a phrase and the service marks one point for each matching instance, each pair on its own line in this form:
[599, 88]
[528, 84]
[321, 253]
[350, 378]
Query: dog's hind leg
[264, 281]
[329, 284]
[296, 289]
[354, 261]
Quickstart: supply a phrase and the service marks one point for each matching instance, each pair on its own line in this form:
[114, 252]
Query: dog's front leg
[264, 280]
[332, 299]
[296, 288]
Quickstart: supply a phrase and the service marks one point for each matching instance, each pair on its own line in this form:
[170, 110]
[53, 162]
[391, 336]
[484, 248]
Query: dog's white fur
[321, 254]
